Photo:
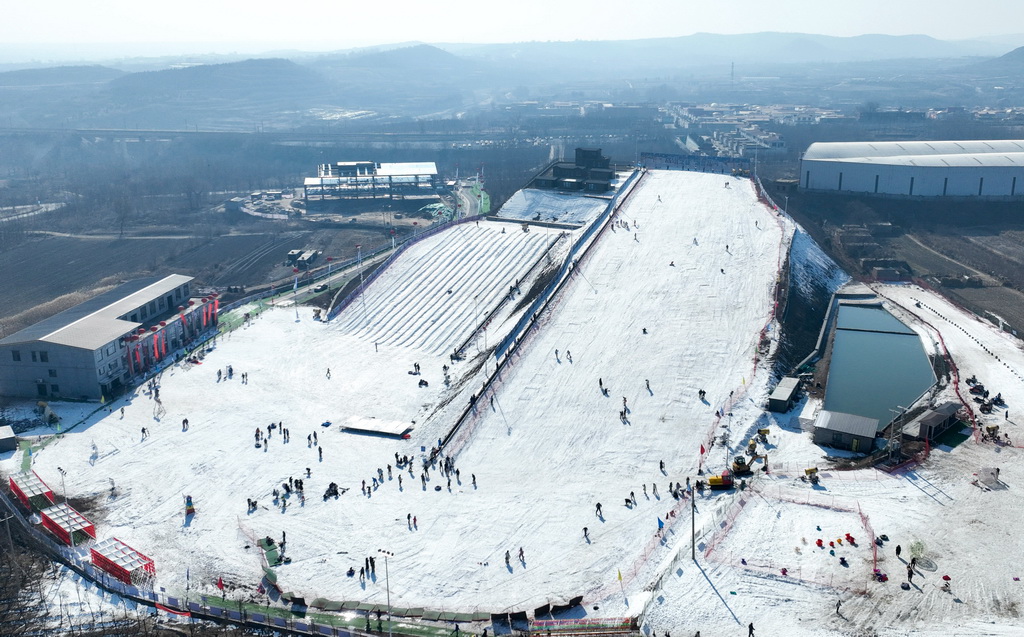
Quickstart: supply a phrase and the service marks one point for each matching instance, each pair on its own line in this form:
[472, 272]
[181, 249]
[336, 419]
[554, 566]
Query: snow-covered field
[552, 445]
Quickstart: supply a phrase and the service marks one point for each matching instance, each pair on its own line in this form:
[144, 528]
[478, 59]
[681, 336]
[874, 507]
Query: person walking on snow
[328, 373]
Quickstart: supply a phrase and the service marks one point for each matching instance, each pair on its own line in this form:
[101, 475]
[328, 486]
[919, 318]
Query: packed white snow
[695, 269]
[543, 205]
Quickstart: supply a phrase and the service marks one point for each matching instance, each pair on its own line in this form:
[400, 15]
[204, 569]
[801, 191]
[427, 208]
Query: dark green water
[873, 372]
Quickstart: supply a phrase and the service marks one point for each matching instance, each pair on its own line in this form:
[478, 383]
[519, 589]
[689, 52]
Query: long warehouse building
[987, 168]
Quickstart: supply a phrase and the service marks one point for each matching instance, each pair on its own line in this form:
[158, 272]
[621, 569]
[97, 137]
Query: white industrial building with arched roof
[992, 168]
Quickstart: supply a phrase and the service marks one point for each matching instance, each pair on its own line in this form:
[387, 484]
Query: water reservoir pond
[878, 363]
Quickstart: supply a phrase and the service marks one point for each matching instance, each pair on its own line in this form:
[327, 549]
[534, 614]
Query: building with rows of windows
[98, 347]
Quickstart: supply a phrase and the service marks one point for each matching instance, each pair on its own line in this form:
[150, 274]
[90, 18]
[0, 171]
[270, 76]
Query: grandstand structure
[986, 168]
[372, 180]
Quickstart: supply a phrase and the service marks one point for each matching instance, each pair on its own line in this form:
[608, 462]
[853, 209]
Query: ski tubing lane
[727, 404]
[505, 299]
[531, 318]
[387, 263]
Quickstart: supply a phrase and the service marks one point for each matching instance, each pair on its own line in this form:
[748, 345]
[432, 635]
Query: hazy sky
[260, 25]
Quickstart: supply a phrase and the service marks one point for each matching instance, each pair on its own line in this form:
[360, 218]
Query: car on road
[320, 288]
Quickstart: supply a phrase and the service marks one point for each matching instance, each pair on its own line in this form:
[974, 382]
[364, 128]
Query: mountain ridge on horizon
[750, 46]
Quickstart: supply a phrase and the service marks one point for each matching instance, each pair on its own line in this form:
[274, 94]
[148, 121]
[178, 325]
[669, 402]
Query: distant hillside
[247, 77]
[702, 48]
[59, 76]
[1011, 63]
[418, 63]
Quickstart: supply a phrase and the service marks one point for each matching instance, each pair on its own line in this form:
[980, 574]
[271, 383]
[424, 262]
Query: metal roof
[940, 161]
[67, 518]
[94, 323]
[847, 423]
[30, 484]
[848, 150]
[1000, 152]
[785, 389]
[407, 168]
[121, 554]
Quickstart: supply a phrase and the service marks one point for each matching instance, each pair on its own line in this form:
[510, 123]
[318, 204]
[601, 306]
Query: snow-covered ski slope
[551, 448]
[433, 298]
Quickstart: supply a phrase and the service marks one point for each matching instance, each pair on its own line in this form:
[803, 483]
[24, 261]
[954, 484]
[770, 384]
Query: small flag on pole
[220, 583]
[620, 574]
[702, 450]
[661, 524]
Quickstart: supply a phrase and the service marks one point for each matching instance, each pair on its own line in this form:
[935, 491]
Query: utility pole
[10, 540]
[62, 487]
[896, 434]
[693, 526]
[387, 582]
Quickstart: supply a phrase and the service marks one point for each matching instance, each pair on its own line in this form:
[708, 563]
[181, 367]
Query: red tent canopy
[31, 490]
[123, 562]
[67, 524]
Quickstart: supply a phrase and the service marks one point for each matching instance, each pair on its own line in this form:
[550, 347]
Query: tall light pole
[329, 259]
[62, 487]
[693, 526]
[387, 583]
[785, 208]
